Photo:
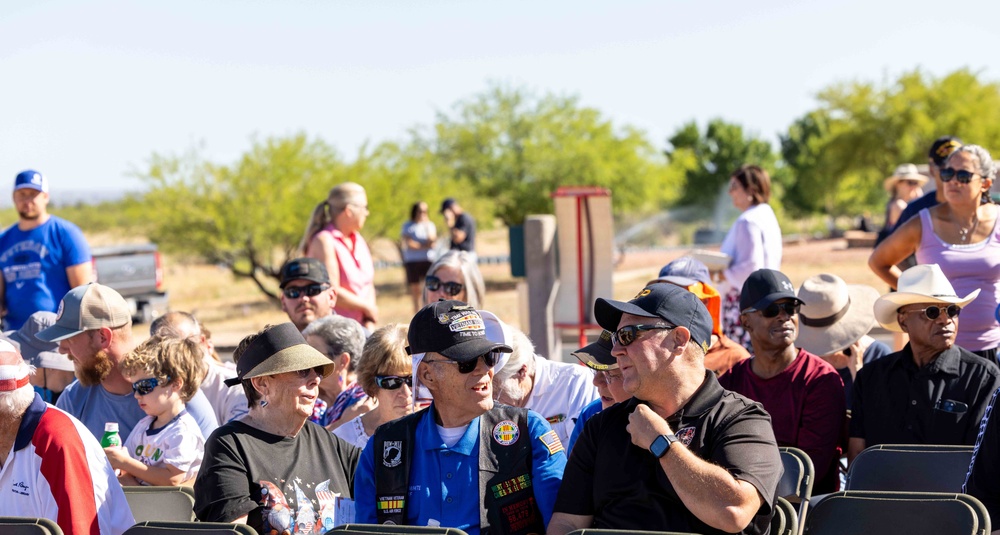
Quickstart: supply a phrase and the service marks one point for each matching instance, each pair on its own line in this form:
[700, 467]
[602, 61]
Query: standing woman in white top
[752, 243]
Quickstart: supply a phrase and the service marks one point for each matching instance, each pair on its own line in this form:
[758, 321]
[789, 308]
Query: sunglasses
[305, 373]
[449, 288]
[392, 382]
[909, 182]
[466, 367]
[145, 386]
[295, 292]
[791, 308]
[961, 175]
[627, 334]
[934, 312]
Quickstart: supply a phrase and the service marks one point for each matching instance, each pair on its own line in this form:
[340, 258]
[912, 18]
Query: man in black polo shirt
[683, 454]
[931, 392]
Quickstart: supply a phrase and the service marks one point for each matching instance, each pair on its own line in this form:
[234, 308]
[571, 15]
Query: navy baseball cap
[453, 329]
[942, 148]
[663, 300]
[764, 287]
[448, 203]
[308, 269]
[31, 179]
[685, 271]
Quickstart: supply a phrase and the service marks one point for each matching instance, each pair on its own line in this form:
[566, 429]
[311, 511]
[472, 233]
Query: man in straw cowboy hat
[932, 391]
[834, 322]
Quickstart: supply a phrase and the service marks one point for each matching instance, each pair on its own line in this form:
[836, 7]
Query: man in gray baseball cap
[94, 328]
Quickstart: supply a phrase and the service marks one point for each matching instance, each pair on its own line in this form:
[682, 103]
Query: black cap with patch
[453, 329]
[597, 356]
[663, 300]
[764, 287]
[308, 269]
[942, 148]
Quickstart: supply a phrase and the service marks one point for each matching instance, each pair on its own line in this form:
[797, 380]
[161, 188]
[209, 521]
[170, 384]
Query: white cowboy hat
[924, 283]
[907, 171]
[834, 314]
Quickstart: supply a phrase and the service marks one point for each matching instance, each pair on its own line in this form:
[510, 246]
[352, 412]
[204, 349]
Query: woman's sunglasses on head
[449, 288]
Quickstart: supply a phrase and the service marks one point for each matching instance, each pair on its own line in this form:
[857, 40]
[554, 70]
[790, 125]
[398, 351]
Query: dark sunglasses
[466, 367]
[449, 288]
[305, 373]
[627, 334]
[791, 308]
[145, 386]
[392, 382]
[961, 175]
[295, 292]
[934, 312]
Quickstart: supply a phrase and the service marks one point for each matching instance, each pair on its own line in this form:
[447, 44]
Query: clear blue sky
[89, 90]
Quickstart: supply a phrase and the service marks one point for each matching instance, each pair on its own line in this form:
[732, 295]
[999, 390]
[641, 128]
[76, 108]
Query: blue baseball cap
[685, 271]
[31, 179]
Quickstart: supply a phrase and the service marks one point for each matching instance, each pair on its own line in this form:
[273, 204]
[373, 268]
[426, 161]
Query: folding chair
[906, 467]
[383, 528]
[897, 513]
[189, 528]
[797, 481]
[15, 525]
[174, 504]
[784, 521]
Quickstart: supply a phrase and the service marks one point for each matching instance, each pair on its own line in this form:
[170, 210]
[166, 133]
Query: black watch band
[661, 444]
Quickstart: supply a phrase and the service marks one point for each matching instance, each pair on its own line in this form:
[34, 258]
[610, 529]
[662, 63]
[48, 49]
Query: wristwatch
[661, 444]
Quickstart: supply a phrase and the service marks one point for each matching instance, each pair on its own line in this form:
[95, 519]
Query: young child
[165, 448]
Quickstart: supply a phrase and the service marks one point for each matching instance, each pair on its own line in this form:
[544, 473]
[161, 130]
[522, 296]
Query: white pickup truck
[136, 272]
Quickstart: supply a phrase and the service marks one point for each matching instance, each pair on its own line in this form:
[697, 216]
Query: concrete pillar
[543, 283]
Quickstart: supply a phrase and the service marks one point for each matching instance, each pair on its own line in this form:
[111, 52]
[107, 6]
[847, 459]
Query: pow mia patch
[685, 435]
[506, 433]
[392, 453]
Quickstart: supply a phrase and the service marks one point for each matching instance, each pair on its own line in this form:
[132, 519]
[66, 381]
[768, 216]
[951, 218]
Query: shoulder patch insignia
[685, 435]
[552, 442]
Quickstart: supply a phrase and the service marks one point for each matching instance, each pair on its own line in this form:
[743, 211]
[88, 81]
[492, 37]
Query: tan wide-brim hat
[834, 314]
[924, 283]
[907, 171]
[279, 349]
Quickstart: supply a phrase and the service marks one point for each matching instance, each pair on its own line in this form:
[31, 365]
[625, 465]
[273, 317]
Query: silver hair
[14, 403]
[341, 335]
[472, 279]
[523, 355]
[986, 168]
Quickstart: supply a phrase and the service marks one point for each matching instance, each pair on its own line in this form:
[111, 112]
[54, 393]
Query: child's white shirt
[179, 444]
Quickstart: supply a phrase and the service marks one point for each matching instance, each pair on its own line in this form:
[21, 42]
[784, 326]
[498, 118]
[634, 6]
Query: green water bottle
[111, 437]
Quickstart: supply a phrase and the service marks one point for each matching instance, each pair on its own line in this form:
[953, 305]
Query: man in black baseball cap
[306, 292]
[492, 467]
[633, 462]
[803, 393]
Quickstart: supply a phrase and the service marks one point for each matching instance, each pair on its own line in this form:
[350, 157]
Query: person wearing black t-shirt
[273, 470]
[683, 454]
[461, 226]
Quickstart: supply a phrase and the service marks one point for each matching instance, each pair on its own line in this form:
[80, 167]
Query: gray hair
[341, 335]
[15, 402]
[171, 324]
[986, 169]
[472, 279]
[523, 355]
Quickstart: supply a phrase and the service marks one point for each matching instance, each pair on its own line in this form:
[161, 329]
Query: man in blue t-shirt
[41, 257]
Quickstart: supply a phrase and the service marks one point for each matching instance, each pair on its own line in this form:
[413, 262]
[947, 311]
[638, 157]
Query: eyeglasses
[295, 292]
[466, 367]
[961, 175]
[790, 307]
[392, 382]
[145, 386]
[627, 334]
[608, 377]
[449, 288]
[934, 312]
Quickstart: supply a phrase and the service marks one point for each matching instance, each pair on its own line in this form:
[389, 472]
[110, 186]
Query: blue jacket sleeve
[548, 460]
[364, 487]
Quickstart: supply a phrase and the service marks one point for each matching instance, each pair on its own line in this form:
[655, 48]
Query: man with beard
[306, 293]
[41, 256]
[94, 327]
[51, 465]
[803, 394]
[932, 391]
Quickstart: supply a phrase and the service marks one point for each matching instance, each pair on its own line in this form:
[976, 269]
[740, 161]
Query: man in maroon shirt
[803, 394]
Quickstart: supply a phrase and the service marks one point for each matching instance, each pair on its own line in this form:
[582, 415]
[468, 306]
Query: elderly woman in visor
[272, 469]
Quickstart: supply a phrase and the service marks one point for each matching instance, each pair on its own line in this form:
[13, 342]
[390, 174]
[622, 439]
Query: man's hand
[645, 425]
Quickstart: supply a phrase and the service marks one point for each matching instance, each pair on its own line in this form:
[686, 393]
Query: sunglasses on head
[961, 175]
[449, 288]
[934, 312]
[145, 386]
[791, 308]
[392, 382]
[627, 334]
[295, 292]
[466, 367]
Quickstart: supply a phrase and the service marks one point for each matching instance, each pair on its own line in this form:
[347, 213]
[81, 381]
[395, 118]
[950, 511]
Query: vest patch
[511, 486]
[390, 504]
[552, 442]
[556, 419]
[685, 435]
[392, 453]
[506, 433]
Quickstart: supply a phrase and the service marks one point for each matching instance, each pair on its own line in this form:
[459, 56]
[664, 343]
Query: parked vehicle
[136, 272]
